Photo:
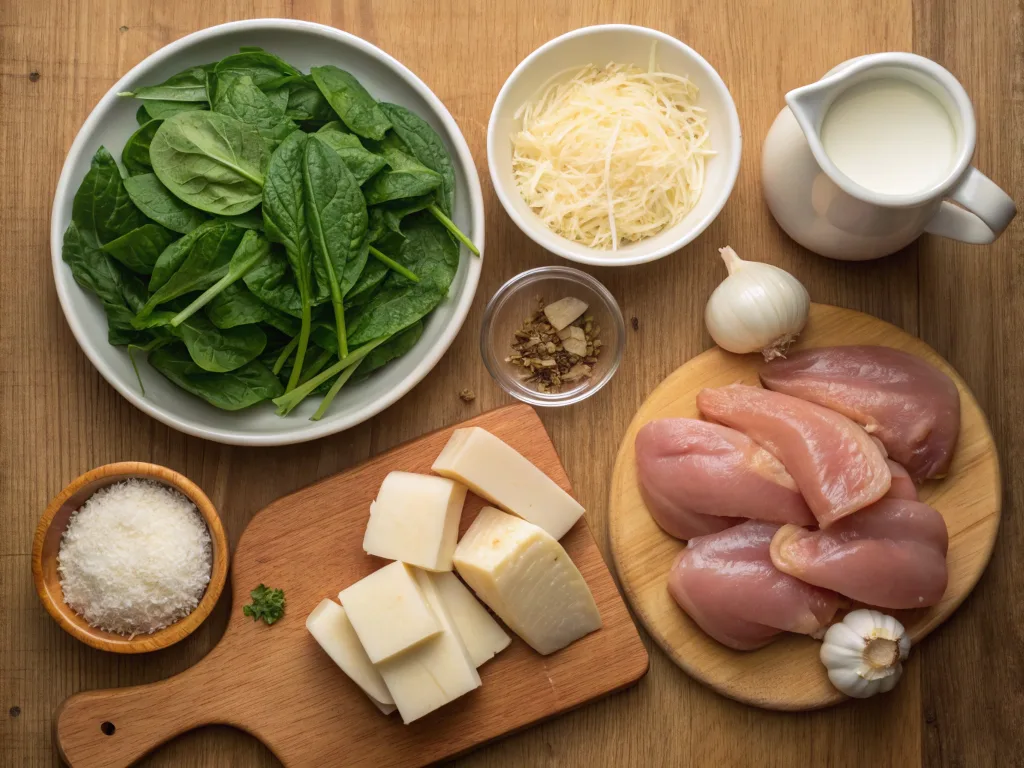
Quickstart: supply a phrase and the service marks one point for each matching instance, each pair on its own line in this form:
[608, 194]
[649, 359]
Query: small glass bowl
[518, 299]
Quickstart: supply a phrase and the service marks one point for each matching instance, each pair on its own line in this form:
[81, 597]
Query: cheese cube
[528, 579]
[501, 475]
[389, 612]
[433, 673]
[480, 633]
[415, 519]
[330, 627]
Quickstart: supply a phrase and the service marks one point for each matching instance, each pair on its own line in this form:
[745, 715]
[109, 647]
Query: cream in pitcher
[866, 159]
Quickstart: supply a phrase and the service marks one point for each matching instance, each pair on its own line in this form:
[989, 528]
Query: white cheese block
[415, 519]
[480, 633]
[433, 673]
[330, 627]
[389, 612]
[501, 475]
[528, 579]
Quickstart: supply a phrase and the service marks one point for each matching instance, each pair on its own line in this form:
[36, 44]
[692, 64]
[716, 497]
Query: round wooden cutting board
[788, 674]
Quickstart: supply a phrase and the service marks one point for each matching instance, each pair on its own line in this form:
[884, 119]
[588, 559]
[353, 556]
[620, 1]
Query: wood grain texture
[961, 701]
[53, 523]
[310, 544]
[787, 674]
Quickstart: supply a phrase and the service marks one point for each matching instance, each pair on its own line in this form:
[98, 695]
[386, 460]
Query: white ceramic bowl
[621, 44]
[303, 44]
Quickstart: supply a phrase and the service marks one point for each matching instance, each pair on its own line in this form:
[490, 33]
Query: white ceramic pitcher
[824, 210]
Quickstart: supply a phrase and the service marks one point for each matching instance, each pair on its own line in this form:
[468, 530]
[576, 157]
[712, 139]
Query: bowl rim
[605, 258]
[304, 430]
[524, 280]
[171, 634]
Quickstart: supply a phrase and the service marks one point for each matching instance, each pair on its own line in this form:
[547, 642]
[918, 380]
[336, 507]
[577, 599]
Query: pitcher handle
[986, 211]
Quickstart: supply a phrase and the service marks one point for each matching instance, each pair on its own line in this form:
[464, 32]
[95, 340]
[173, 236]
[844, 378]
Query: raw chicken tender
[902, 486]
[912, 407]
[727, 584]
[699, 478]
[835, 463]
[890, 555]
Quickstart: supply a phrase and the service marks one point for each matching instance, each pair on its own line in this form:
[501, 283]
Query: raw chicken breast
[727, 584]
[699, 478]
[913, 408]
[890, 555]
[902, 486]
[837, 467]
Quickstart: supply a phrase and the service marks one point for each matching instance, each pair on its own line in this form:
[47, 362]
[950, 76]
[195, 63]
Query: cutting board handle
[115, 728]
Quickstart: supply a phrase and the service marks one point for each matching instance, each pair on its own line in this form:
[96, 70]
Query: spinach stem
[205, 298]
[390, 263]
[285, 354]
[291, 398]
[450, 226]
[335, 388]
[316, 366]
[300, 353]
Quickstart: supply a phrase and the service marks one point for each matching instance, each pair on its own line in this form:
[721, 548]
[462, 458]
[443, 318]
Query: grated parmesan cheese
[613, 155]
[135, 558]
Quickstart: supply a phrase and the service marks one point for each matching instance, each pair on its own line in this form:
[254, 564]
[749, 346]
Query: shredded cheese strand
[612, 155]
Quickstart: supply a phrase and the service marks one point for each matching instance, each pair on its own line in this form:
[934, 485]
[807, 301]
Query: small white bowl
[621, 44]
[112, 121]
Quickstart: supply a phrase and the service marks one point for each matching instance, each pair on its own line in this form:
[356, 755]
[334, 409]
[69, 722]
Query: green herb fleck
[267, 604]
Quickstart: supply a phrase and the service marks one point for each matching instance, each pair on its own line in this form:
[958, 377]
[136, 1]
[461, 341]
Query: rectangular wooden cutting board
[275, 682]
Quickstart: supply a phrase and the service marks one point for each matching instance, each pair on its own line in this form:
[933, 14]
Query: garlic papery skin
[864, 653]
[758, 307]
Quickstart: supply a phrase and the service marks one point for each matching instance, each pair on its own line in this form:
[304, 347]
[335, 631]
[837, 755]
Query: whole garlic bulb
[758, 307]
[864, 653]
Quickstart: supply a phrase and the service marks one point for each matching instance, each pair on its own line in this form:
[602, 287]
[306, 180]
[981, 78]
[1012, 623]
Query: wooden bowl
[47, 543]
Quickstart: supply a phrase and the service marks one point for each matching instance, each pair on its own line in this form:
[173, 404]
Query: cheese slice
[415, 519]
[330, 627]
[528, 579]
[480, 633]
[433, 673]
[500, 474]
[389, 612]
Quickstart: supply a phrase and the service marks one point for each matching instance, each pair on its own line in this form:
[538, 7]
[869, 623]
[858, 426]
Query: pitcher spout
[810, 102]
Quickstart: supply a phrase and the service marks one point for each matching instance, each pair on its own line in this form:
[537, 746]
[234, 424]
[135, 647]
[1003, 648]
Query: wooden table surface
[962, 697]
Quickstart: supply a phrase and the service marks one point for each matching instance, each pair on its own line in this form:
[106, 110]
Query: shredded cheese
[613, 155]
[135, 558]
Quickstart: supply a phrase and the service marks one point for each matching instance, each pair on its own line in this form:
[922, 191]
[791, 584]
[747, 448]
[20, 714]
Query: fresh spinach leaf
[426, 146]
[135, 155]
[161, 110]
[360, 161]
[221, 350]
[261, 67]
[174, 255]
[99, 274]
[249, 220]
[244, 387]
[238, 97]
[204, 264]
[141, 115]
[388, 216]
[336, 215]
[284, 214]
[305, 102]
[189, 85]
[351, 102]
[211, 161]
[393, 348]
[434, 257]
[237, 305]
[371, 278]
[139, 249]
[405, 178]
[101, 207]
[273, 283]
[156, 202]
[252, 249]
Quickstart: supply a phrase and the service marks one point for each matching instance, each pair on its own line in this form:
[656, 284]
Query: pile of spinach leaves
[269, 234]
